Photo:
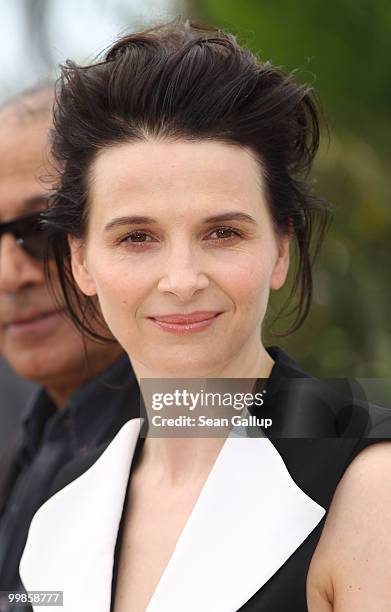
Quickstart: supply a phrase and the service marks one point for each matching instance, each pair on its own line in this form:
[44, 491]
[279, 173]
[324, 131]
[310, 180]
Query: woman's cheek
[117, 295]
[249, 283]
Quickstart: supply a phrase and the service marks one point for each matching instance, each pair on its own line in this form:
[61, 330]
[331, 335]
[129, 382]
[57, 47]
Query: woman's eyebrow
[231, 216]
[133, 219]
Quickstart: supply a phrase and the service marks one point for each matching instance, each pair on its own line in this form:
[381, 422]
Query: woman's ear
[281, 266]
[79, 266]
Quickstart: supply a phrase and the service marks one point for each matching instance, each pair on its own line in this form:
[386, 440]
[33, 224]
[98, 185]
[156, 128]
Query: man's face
[35, 337]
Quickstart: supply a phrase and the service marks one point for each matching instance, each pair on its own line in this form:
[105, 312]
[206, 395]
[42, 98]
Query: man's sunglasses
[28, 233]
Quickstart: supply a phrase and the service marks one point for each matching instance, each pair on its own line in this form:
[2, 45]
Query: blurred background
[342, 48]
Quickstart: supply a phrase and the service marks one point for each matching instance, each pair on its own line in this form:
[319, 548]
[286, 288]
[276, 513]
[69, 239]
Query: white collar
[248, 520]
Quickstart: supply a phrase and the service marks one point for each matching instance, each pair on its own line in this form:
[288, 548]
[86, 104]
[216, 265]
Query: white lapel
[248, 520]
[72, 537]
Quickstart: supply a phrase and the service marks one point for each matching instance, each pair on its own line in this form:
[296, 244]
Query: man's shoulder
[75, 468]
[9, 465]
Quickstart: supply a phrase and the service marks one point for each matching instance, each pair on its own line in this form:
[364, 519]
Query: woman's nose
[183, 274]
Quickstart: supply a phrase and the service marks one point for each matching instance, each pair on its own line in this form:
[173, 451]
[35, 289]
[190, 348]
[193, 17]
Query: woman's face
[175, 230]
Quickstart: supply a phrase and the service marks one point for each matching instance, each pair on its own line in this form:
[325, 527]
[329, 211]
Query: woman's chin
[181, 368]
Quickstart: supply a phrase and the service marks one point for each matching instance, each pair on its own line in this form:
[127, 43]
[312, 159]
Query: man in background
[87, 389]
[14, 393]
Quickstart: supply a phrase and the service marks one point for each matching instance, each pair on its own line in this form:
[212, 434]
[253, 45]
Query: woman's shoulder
[351, 564]
[337, 446]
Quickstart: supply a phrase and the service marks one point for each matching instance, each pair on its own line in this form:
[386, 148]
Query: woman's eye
[137, 237]
[224, 233]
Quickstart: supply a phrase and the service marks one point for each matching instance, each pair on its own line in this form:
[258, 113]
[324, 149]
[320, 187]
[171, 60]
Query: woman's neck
[176, 461]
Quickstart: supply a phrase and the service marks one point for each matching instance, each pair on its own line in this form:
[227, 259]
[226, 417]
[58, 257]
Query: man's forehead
[25, 153]
[31, 132]
[24, 157]
[23, 205]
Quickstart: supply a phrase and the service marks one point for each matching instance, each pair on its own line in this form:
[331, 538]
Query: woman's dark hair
[185, 81]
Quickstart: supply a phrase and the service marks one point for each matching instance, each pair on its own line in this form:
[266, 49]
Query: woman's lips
[185, 324]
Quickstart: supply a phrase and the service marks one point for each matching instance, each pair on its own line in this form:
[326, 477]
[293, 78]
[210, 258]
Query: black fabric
[53, 438]
[9, 466]
[316, 454]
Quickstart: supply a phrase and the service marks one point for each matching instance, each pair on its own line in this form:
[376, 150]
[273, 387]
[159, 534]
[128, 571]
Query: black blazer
[250, 538]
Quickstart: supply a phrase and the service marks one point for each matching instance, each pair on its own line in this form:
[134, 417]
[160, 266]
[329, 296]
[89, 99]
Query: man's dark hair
[185, 81]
